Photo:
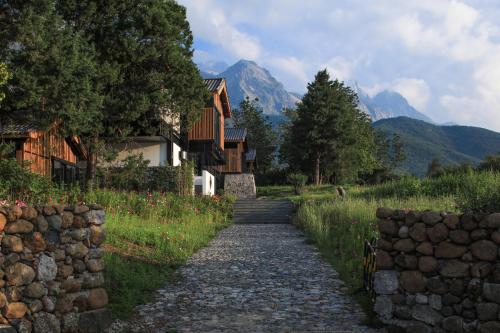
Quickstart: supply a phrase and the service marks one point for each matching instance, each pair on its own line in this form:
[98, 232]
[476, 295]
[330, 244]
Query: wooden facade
[210, 126]
[47, 153]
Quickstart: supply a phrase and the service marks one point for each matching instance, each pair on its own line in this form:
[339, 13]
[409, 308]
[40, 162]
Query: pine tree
[52, 68]
[4, 77]
[435, 168]
[260, 134]
[328, 136]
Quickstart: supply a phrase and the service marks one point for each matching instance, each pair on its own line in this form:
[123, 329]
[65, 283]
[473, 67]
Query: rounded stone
[493, 220]
[454, 268]
[438, 233]
[80, 209]
[3, 221]
[388, 227]
[425, 248]
[431, 218]
[19, 274]
[412, 281]
[66, 219]
[427, 264]
[35, 290]
[484, 250]
[79, 266]
[35, 243]
[403, 232]
[15, 310]
[71, 285]
[495, 236]
[47, 323]
[449, 250]
[98, 298]
[78, 250]
[418, 232]
[468, 222]
[47, 268]
[461, 237]
[384, 260]
[480, 234]
[97, 235]
[451, 221]
[55, 222]
[64, 304]
[41, 223]
[481, 269]
[487, 311]
[95, 265]
[95, 217]
[19, 227]
[404, 245]
[13, 243]
[384, 213]
[79, 222]
[407, 261]
[29, 213]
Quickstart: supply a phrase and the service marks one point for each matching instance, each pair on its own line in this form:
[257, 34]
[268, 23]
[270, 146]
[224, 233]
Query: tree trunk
[317, 175]
[91, 163]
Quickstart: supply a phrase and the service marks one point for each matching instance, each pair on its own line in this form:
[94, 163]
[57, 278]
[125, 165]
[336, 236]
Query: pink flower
[20, 203]
[4, 203]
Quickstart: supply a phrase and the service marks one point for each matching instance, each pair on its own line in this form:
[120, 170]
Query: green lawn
[149, 236]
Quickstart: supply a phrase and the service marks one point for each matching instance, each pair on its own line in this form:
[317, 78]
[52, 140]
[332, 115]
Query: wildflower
[4, 203]
[20, 203]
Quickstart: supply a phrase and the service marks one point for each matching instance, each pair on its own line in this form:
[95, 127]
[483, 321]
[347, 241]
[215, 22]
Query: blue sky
[442, 55]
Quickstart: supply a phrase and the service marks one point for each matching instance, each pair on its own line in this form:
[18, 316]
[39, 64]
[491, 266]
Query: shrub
[479, 194]
[298, 181]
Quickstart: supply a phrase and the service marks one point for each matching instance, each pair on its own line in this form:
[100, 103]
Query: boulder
[18, 227]
[384, 213]
[97, 265]
[3, 221]
[495, 236]
[15, 310]
[454, 268]
[479, 234]
[97, 235]
[80, 209]
[29, 213]
[41, 223]
[95, 217]
[47, 323]
[491, 291]
[403, 232]
[493, 221]
[451, 221]
[388, 227]
[384, 260]
[404, 245]
[427, 264]
[431, 218]
[490, 327]
[418, 232]
[66, 219]
[70, 322]
[426, 314]
[468, 222]
[77, 250]
[95, 321]
[425, 248]
[385, 282]
[407, 261]
[453, 324]
[35, 290]
[460, 237]
[47, 268]
[481, 269]
[438, 233]
[35, 243]
[19, 274]
[487, 311]
[449, 250]
[55, 222]
[12, 243]
[484, 250]
[383, 307]
[412, 281]
[98, 298]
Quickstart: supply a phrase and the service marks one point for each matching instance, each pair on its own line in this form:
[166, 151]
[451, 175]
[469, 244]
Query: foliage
[452, 144]
[144, 49]
[298, 182]
[5, 75]
[490, 163]
[53, 68]
[339, 152]
[260, 134]
[149, 235]
[435, 168]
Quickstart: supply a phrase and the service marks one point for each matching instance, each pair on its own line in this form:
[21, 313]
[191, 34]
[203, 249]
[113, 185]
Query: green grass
[149, 236]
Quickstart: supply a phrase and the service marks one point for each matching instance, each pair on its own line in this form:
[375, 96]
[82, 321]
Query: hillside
[450, 144]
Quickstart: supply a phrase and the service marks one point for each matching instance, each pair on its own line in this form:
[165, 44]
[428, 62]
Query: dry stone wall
[438, 272]
[240, 185]
[51, 269]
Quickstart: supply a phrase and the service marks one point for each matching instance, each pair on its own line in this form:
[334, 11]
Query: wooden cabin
[206, 136]
[47, 152]
[236, 147]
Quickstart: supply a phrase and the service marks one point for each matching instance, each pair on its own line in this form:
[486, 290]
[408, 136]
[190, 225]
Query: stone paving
[252, 278]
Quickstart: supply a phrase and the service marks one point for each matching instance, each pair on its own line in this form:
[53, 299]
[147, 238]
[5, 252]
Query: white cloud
[339, 68]
[211, 23]
[292, 66]
[416, 91]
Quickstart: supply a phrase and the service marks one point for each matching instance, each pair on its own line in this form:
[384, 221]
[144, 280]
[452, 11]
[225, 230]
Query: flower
[4, 203]
[20, 203]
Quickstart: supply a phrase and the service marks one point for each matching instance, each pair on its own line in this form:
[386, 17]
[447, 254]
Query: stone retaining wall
[51, 276]
[240, 185]
[438, 272]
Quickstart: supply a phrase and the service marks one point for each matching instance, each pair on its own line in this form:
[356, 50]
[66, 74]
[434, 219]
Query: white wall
[155, 152]
[176, 160]
[207, 181]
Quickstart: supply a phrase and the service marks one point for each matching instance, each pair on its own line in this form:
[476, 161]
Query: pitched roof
[215, 84]
[235, 134]
[251, 155]
[17, 128]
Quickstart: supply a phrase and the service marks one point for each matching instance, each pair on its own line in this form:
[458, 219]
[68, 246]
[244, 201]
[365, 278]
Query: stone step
[259, 211]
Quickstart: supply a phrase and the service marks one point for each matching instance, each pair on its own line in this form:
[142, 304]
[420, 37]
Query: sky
[443, 56]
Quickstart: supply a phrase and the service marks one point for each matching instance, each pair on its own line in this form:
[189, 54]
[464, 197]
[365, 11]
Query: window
[64, 173]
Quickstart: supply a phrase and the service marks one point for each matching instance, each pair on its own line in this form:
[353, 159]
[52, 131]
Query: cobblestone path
[253, 278]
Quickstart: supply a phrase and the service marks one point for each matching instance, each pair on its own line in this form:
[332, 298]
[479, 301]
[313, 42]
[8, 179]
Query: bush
[479, 194]
[298, 181]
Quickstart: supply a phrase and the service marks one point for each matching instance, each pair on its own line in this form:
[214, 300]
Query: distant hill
[387, 104]
[450, 144]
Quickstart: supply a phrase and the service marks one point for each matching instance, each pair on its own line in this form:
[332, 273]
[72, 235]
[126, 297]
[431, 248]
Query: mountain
[246, 78]
[450, 144]
[212, 67]
[387, 104]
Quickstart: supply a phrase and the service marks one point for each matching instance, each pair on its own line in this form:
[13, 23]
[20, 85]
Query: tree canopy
[260, 134]
[328, 136]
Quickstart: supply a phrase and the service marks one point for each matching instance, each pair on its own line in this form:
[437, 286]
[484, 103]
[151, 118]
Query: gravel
[252, 278]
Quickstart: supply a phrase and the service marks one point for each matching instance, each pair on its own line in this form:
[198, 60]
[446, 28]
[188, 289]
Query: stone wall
[438, 272]
[51, 276]
[240, 185]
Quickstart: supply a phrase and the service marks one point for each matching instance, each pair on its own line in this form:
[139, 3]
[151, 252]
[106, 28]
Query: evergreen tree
[4, 77]
[144, 48]
[52, 68]
[435, 168]
[260, 134]
[328, 136]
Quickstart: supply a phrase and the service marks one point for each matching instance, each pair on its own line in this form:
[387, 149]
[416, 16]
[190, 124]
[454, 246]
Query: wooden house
[47, 152]
[206, 137]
